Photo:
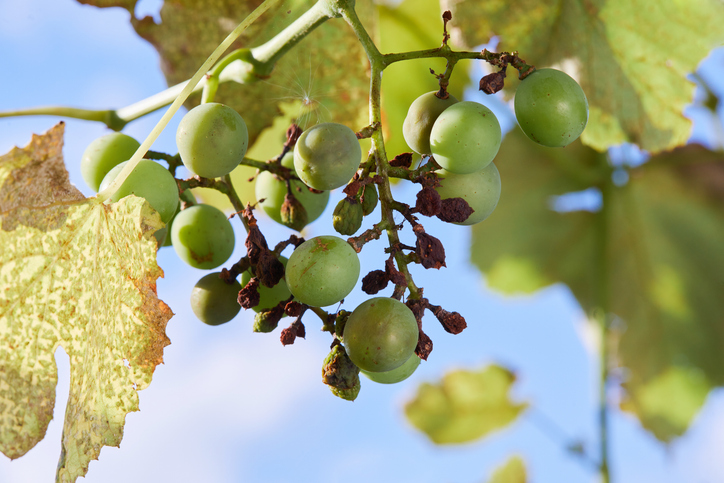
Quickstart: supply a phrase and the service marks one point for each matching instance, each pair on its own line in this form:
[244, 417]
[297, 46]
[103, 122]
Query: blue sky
[229, 405]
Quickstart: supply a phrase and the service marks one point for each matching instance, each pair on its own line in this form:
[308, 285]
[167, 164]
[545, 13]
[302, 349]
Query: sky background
[230, 405]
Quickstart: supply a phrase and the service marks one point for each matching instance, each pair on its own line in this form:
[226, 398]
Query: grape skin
[269, 297]
[327, 155]
[419, 120]
[272, 190]
[214, 301]
[380, 335]
[202, 236]
[189, 198]
[465, 137]
[322, 271]
[103, 154]
[481, 190]
[148, 180]
[395, 375]
[212, 140]
[551, 108]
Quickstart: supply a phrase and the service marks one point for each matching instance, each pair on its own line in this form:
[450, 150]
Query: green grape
[551, 108]
[395, 375]
[327, 155]
[380, 335]
[465, 137]
[212, 140]
[202, 236]
[151, 181]
[419, 120]
[322, 271]
[214, 301]
[369, 201]
[269, 297]
[481, 190]
[186, 196]
[104, 154]
[272, 190]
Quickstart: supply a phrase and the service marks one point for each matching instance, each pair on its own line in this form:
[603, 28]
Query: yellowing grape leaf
[630, 56]
[658, 243]
[513, 471]
[467, 405]
[412, 25]
[81, 275]
[327, 71]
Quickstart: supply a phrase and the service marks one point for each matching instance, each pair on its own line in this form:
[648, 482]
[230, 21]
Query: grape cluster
[382, 337]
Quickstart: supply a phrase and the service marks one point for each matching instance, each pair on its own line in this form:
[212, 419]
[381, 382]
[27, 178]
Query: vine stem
[185, 93]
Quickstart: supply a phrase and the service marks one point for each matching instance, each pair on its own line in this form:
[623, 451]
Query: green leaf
[630, 56]
[658, 242]
[513, 471]
[81, 275]
[413, 25]
[326, 74]
[466, 406]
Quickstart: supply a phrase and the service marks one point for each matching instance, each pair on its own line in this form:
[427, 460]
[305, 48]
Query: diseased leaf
[630, 56]
[513, 471]
[78, 274]
[412, 25]
[326, 74]
[660, 236]
[467, 405]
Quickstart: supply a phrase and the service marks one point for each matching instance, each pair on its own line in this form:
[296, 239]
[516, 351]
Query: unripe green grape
[380, 335]
[369, 200]
[272, 190]
[103, 154]
[395, 375]
[214, 301]
[212, 139]
[551, 108]
[327, 155]
[420, 117]
[322, 271]
[202, 236]
[465, 137]
[347, 217]
[148, 180]
[269, 297]
[481, 190]
[189, 198]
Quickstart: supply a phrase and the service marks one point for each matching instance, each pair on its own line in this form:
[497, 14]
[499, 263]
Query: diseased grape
[395, 375]
[327, 155]
[149, 180]
[202, 236]
[269, 297]
[322, 271]
[419, 120]
[465, 137]
[380, 334]
[214, 301]
[212, 140]
[272, 190]
[103, 154]
[481, 190]
[551, 108]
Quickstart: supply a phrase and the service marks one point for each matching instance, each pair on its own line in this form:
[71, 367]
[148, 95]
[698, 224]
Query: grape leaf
[327, 73]
[513, 471]
[467, 405]
[630, 56]
[412, 25]
[663, 262]
[78, 274]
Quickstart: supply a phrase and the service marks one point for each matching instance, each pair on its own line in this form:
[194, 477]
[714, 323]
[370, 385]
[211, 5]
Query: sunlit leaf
[656, 246]
[465, 406]
[327, 71]
[513, 471]
[630, 56]
[81, 275]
